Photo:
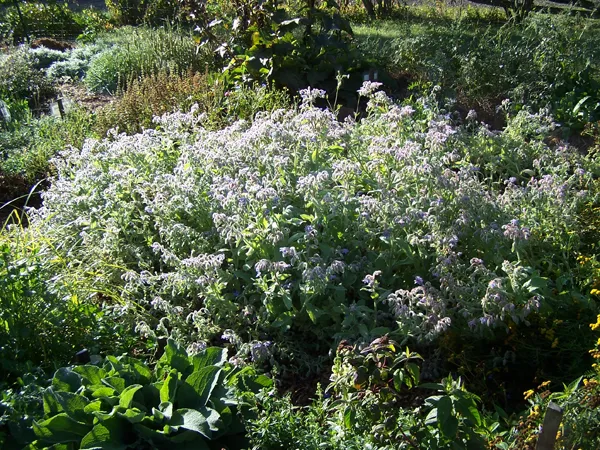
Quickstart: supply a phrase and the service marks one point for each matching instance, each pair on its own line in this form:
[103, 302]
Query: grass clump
[41, 324]
[28, 151]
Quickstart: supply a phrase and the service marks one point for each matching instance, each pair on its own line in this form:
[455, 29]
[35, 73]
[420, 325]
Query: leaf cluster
[187, 401]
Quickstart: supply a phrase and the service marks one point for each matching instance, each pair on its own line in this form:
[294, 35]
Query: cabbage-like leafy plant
[187, 401]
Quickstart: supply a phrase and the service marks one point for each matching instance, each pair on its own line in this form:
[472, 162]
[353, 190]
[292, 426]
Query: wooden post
[61, 107]
[547, 438]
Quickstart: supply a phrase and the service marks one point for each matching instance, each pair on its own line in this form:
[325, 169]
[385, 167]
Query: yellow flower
[528, 394]
[544, 384]
[555, 343]
[595, 326]
[595, 292]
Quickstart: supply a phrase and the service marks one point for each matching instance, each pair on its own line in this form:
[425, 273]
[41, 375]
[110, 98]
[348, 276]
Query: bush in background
[20, 79]
[141, 52]
[53, 19]
[127, 12]
[547, 61]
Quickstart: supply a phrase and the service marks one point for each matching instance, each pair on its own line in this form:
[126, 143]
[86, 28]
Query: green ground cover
[247, 260]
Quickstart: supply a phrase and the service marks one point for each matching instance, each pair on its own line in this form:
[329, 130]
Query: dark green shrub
[127, 12]
[93, 23]
[262, 40]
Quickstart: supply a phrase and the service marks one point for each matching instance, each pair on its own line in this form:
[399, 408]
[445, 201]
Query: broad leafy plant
[187, 401]
[264, 41]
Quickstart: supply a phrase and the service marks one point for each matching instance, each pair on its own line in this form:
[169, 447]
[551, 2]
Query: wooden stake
[547, 438]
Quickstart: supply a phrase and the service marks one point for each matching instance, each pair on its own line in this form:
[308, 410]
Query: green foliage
[40, 325]
[380, 366]
[454, 419]
[93, 23]
[143, 51]
[543, 62]
[20, 79]
[262, 40]
[32, 143]
[53, 19]
[187, 400]
[277, 423]
[376, 400]
[127, 12]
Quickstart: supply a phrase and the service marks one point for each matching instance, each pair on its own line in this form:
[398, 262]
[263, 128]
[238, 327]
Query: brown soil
[80, 96]
[52, 44]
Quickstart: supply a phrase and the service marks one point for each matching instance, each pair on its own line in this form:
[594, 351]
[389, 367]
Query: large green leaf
[66, 380]
[104, 391]
[117, 383]
[136, 370]
[447, 423]
[469, 410]
[157, 438]
[96, 405]
[169, 387]
[51, 404]
[111, 434]
[258, 383]
[175, 356]
[152, 394]
[132, 415]
[166, 408]
[60, 428]
[126, 397]
[90, 374]
[197, 388]
[72, 404]
[212, 356]
[202, 420]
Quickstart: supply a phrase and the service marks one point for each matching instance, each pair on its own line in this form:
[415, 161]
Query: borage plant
[406, 222]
